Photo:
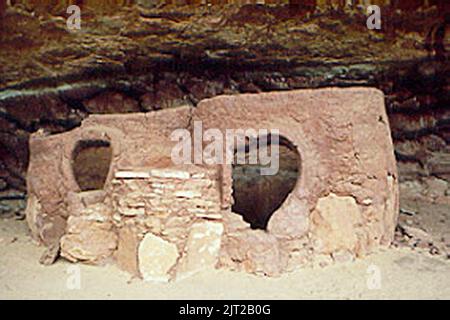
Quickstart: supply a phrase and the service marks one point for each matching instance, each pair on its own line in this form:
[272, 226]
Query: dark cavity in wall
[256, 196]
[91, 162]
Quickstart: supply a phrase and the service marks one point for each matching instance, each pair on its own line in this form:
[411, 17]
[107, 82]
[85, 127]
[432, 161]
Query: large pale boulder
[156, 257]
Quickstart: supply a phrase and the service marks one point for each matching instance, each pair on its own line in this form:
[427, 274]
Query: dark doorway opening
[257, 197]
[91, 162]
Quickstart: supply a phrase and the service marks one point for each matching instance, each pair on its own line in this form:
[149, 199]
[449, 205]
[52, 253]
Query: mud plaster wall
[137, 140]
[344, 204]
[346, 200]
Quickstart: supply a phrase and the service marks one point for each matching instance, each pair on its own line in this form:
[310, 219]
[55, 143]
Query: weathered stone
[205, 215]
[132, 175]
[297, 259]
[156, 258]
[99, 212]
[436, 187]
[417, 234]
[92, 197]
[78, 201]
[167, 173]
[52, 229]
[187, 194]
[202, 248]
[90, 237]
[153, 224]
[234, 222]
[127, 250]
[131, 212]
[33, 211]
[285, 53]
[290, 223]
[162, 186]
[50, 255]
[253, 251]
[439, 164]
[412, 189]
[177, 222]
[89, 246]
[335, 223]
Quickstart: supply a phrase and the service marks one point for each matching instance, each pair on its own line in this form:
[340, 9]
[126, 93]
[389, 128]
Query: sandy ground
[388, 274]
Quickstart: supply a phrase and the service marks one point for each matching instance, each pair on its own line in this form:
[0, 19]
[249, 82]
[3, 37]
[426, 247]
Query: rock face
[172, 56]
[164, 220]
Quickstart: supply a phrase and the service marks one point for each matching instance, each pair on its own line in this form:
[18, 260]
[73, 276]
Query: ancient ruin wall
[346, 199]
[344, 204]
[137, 140]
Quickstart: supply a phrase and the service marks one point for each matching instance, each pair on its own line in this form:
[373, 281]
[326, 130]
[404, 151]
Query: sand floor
[403, 274]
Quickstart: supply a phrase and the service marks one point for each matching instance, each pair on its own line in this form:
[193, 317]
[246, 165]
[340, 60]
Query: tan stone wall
[166, 202]
[155, 219]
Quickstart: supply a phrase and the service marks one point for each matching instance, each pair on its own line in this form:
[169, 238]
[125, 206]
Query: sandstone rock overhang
[164, 221]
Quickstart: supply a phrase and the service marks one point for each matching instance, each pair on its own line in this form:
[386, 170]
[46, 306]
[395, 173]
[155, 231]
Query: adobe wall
[346, 200]
[137, 140]
[151, 214]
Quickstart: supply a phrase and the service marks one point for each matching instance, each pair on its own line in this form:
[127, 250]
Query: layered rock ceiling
[130, 58]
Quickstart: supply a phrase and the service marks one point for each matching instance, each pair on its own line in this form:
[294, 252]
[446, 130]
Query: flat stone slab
[156, 257]
[202, 248]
